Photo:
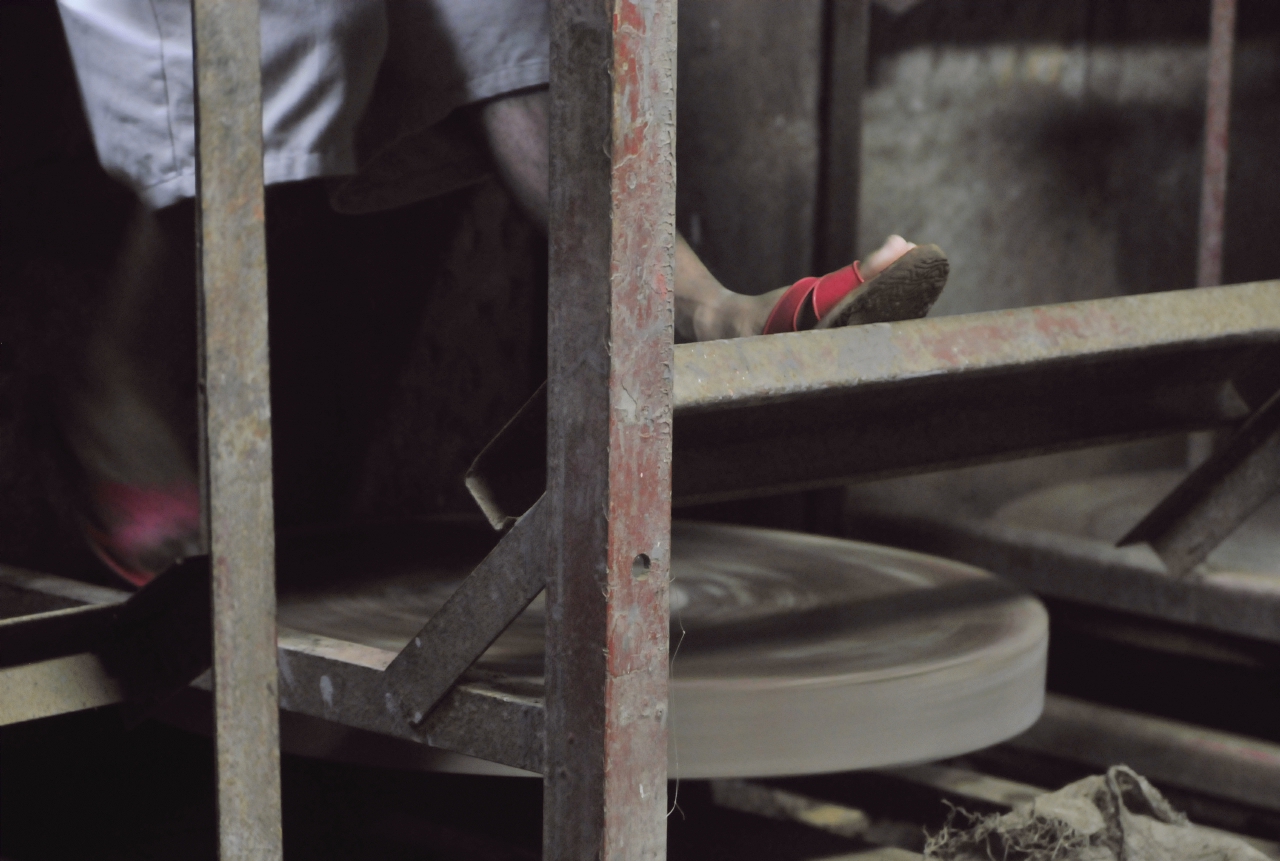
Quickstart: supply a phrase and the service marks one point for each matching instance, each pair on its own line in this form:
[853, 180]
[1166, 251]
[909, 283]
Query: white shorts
[348, 85]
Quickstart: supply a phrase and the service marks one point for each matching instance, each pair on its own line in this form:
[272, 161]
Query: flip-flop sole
[905, 290]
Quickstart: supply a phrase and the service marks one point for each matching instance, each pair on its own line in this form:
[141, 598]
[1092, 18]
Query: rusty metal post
[612, 240]
[1213, 189]
[236, 403]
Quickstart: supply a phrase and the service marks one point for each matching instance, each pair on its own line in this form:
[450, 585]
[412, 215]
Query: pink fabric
[141, 518]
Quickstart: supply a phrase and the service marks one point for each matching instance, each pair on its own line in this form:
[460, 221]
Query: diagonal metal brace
[1212, 502]
[486, 602]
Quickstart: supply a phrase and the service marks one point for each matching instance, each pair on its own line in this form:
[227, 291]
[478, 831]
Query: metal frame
[757, 416]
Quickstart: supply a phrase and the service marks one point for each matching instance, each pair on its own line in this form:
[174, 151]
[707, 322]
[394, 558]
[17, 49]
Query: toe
[880, 259]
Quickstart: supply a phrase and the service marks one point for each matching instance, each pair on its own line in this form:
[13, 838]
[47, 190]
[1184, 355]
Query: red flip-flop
[905, 290]
[147, 528]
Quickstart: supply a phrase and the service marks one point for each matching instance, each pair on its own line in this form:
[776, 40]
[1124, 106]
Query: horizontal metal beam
[787, 412]
[53, 633]
[1089, 571]
[154, 643]
[344, 682]
[57, 686]
[1225, 765]
[476, 614]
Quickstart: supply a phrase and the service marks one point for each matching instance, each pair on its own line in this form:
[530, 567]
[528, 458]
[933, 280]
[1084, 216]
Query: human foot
[901, 281]
[141, 530]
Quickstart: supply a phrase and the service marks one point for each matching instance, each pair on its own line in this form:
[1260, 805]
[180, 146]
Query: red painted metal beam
[612, 239]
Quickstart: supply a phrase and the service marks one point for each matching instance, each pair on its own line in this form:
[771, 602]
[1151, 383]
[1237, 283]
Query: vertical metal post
[236, 404]
[846, 24]
[612, 240]
[1213, 189]
[844, 77]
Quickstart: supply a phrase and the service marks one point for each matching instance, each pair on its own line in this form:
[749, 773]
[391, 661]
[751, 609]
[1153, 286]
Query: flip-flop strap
[828, 292]
[786, 313]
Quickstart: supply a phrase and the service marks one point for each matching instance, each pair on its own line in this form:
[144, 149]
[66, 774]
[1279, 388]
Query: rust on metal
[813, 409]
[344, 682]
[610, 329]
[1217, 143]
[236, 448]
[485, 603]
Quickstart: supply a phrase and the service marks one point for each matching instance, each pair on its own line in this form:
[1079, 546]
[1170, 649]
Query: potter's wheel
[793, 654]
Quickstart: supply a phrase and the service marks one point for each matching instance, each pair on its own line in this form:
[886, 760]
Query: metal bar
[1217, 497]
[53, 633]
[967, 785]
[343, 682]
[844, 77]
[786, 412]
[232, 278]
[57, 686]
[1233, 767]
[475, 615]
[849, 822]
[610, 331]
[23, 592]
[1130, 580]
[772, 803]
[1213, 188]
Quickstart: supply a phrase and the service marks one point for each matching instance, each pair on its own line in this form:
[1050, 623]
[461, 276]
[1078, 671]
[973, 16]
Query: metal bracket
[1212, 502]
[486, 602]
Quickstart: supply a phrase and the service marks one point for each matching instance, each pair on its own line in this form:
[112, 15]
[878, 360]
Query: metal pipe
[1213, 189]
[236, 407]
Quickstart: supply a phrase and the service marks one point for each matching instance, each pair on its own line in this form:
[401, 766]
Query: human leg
[130, 417]
[516, 128]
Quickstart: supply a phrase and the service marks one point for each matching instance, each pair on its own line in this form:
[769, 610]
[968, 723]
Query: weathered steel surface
[489, 718]
[343, 682]
[786, 412]
[485, 603]
[844, 74]
[152, 644]
[610, 332]
[1213, 188]
[1216, 498]
[1221, 764]
[57, 686]
[1090, 572]
[236, 405]
[778, 368]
